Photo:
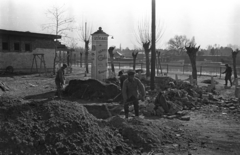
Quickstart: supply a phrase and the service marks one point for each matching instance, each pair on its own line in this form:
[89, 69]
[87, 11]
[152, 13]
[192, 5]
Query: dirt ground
[214, 129]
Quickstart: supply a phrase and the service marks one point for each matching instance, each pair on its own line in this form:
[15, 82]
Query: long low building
[17, 48]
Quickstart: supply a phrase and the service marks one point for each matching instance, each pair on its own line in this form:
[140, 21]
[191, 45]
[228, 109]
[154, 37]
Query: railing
[176, 69]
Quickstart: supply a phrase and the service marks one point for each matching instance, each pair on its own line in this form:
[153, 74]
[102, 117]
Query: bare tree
[59, 25]
[85, 35]
[81, 53]
[111, 54]
[178, 44]
[134, 55]
[192, 53]
[144, 38]
[234, 56]
[158, 52]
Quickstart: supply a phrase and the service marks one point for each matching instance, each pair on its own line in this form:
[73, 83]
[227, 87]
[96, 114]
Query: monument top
[100, 31]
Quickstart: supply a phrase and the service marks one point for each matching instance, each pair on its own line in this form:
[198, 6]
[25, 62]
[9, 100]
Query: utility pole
[153, 52]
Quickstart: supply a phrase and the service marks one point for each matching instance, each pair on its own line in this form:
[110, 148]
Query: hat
[120, 73]
[65, 65]
[131, 72]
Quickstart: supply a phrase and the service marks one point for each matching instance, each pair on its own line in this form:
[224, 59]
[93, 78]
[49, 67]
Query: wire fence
[202, 70]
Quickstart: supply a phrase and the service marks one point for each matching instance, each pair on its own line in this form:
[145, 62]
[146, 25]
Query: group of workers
[132, 88]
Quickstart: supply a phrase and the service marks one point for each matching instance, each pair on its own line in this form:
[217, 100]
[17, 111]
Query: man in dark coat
[60, 80]
[228, 74]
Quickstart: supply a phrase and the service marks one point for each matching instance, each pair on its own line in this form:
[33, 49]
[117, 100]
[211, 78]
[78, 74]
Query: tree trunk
[134, 63]
[80, 59]
[234, 55]
[134, 55]
[86, 55]
[159, 61]
[54, 61]
[157, 66]
[112, 64]
[194, 66]
[147, 64]
[86, 61]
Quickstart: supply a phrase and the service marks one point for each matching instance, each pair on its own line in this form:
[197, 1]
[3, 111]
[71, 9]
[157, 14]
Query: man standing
[132, 91]
[228, 74]
[60, 80]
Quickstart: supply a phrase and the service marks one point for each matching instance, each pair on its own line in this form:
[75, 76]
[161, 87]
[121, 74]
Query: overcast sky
[210, 21]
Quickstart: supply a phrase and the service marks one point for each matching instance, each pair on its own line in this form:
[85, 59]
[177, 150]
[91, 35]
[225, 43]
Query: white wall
[23, 60]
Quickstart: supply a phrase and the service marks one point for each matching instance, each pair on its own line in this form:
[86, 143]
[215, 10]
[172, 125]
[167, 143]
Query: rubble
[55, 127]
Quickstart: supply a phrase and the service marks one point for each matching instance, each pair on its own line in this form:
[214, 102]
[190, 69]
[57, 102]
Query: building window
[16, 46]
[27, 47]
[5, 46]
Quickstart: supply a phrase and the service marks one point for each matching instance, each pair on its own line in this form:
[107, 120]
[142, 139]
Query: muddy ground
[212, 130]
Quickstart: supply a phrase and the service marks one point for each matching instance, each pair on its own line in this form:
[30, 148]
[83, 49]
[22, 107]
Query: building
[17, 48]
[118, 55]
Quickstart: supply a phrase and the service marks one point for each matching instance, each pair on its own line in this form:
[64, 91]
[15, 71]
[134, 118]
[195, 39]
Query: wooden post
[200, 70]
[167, 68]
[176, 77]
[220, 72]
[183, 69]
[119, 64]
[191, 79]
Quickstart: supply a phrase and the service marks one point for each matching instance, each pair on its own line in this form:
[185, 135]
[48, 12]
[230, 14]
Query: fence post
[119, 65]
[141, 65]
[200, 70]
[167, 68]
[220, 72]
[183, 69]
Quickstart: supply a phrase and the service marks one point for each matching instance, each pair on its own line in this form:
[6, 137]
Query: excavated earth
[41, 125]
[91, 89]
[54, 127]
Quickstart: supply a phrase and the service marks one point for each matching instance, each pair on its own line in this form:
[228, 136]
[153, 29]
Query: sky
[209, 21]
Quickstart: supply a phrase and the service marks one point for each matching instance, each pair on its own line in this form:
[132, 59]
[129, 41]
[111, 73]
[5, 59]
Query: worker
[228, 74]
[133, 90]
[60, 80]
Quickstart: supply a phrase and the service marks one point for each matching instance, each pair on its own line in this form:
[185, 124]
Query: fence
[176, 69]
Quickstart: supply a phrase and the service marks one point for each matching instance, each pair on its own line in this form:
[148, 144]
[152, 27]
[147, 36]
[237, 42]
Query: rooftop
[100, 31]
[29, 34]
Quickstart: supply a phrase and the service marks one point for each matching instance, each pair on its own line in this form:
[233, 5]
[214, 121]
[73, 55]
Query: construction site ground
[211, 130]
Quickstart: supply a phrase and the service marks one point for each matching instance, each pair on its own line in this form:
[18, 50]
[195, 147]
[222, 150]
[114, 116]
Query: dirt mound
[54, 127]
[144, 134]
[92, 89]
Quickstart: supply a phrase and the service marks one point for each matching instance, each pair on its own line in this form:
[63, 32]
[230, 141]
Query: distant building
[118, 55]
[17, 48]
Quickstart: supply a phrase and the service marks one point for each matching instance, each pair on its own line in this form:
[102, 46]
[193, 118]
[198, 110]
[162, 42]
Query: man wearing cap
[228, 74]
[132, 91]
[60, 80]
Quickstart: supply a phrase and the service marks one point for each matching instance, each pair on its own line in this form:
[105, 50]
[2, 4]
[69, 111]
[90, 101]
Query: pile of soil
[147, 135]
[92, 89]
[55, 127]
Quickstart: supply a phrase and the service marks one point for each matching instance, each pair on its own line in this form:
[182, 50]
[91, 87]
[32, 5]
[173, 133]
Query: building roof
[100, 31]
[29, 34]
[118, 53]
